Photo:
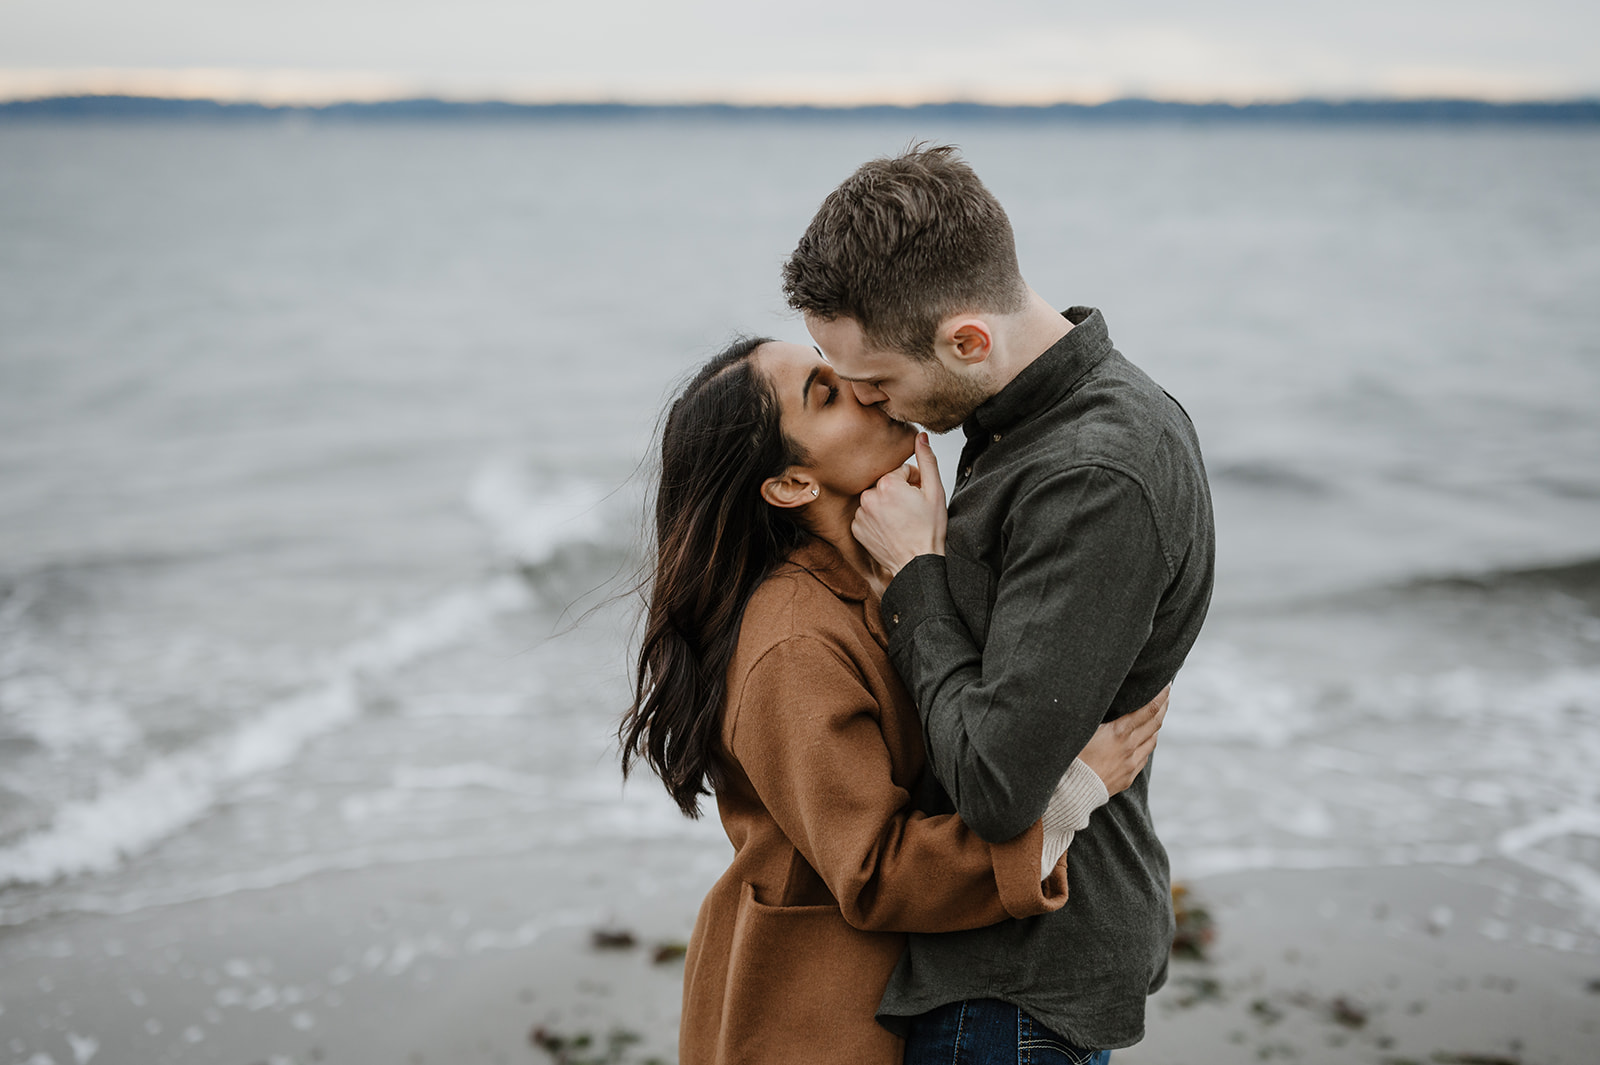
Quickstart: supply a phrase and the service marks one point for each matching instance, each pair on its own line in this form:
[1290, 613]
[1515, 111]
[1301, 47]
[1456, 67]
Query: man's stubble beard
[951, 399]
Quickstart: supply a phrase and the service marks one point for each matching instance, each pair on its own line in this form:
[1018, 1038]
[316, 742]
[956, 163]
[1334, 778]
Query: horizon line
[626, 103]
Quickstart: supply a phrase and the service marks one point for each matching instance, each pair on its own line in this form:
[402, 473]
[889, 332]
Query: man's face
[936, 396]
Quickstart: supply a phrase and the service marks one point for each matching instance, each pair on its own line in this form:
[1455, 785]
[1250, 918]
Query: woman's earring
[813, 491]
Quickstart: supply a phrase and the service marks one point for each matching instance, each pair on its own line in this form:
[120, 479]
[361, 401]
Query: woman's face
[849, 445]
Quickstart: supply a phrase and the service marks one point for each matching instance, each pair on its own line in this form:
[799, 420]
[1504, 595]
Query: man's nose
[867, 395]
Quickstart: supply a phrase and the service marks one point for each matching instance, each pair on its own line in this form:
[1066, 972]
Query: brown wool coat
[794, 944]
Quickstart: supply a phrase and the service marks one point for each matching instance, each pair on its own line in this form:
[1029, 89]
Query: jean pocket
[1038, 1045]
[1051, 1052]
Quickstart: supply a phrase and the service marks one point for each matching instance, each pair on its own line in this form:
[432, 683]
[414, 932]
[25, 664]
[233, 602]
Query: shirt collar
[1048, 379]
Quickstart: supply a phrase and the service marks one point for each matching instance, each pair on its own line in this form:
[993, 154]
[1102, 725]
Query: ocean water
[321, 451]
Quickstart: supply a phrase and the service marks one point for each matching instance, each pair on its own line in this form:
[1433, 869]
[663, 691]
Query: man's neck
[1026, 335]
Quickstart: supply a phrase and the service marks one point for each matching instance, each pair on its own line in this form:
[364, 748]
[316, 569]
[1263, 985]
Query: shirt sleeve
[808, 737]
[1081, 575]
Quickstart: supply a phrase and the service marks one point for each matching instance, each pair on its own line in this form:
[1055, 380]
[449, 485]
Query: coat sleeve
[807, 735]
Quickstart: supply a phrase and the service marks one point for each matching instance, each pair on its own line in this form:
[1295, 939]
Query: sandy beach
[499, 961]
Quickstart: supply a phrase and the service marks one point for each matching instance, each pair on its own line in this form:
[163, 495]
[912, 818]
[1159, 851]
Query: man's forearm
[1005, 711]
[999, 790]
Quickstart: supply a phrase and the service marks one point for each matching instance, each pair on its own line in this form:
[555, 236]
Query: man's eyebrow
[836, 373]
[811, 379]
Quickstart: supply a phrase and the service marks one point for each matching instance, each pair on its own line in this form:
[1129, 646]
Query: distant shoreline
[1127, 111]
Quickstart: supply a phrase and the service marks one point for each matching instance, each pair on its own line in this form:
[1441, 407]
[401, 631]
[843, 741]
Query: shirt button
[895, 618]
[997, 438]
[967, 472]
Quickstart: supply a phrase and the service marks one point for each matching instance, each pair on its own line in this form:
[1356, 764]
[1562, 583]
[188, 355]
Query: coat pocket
[803, 987]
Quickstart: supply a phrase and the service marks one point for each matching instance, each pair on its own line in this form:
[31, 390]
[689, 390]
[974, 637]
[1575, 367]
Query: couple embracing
[926, 730]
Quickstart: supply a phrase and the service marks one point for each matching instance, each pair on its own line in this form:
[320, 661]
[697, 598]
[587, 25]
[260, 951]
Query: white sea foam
[528, 520]
[1456, 767]
[1521, 844]
[471, 775]
[1220, 697]
[131, 814]
[41, 708]
[1214, 861]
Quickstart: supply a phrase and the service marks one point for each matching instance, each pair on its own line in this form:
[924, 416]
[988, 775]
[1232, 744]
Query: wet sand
[461, 962]
[1423, 964]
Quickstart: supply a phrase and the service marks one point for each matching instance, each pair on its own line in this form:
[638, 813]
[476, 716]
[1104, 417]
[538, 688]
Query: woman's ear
[795, 488]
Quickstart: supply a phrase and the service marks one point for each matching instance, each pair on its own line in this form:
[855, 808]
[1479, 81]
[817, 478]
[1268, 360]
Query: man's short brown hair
[903, 244]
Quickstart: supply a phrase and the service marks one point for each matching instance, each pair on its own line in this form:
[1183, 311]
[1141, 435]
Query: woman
[763, 677]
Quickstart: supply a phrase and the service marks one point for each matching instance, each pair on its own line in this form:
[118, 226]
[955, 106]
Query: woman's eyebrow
[811, 379]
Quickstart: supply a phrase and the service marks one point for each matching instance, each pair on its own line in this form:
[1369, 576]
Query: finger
[1149, 724]
[1155, 705]
[1152, 721]
[1138, 717]
[1142, 753]
[913, 475]
[932, 486]
[1144, 733]
[1136, 720]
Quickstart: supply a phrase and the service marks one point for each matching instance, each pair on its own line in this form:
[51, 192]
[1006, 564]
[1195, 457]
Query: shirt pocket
[972, 586]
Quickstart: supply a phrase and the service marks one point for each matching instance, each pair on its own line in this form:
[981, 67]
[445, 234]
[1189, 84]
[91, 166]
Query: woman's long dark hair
[717, 539]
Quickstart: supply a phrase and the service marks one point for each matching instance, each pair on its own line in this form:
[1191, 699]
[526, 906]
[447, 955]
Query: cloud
[831, 51]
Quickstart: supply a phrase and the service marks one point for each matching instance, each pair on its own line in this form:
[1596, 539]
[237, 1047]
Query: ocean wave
[1530, 845]
[1579, 578]
[530, 518]
[1221, 860]
[1220, 697]
[1223, 696]
[40, 709]
[131, 814]
[1267, 476]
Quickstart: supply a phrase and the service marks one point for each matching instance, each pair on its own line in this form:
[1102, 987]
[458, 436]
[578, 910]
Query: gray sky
[818, 50]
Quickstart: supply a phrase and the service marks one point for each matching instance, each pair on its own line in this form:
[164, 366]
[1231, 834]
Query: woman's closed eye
[833, 394]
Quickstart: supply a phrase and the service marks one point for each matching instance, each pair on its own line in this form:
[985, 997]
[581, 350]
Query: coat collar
[819, 558]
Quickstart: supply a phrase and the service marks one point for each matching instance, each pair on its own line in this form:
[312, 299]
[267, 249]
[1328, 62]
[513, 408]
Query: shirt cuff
[920, 590]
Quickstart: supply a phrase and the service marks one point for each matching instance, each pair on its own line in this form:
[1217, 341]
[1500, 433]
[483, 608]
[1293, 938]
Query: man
[1066, 589]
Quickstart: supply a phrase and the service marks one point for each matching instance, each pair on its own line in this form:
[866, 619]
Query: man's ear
[795, 488]
[968, 339]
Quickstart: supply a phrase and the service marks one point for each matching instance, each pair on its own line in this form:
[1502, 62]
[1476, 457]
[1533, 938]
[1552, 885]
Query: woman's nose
[867, 395]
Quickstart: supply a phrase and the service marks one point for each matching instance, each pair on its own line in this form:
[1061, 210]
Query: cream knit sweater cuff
[1078, 794]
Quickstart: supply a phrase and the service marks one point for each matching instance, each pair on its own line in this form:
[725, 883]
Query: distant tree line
[1459, 112]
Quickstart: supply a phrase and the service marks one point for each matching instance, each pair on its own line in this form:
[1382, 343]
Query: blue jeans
[986, 1031]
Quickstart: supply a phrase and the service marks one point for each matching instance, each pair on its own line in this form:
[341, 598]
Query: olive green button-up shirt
[1077, 572]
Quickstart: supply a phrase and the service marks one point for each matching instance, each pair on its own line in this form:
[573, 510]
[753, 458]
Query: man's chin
[911, 426]
[939, 427]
